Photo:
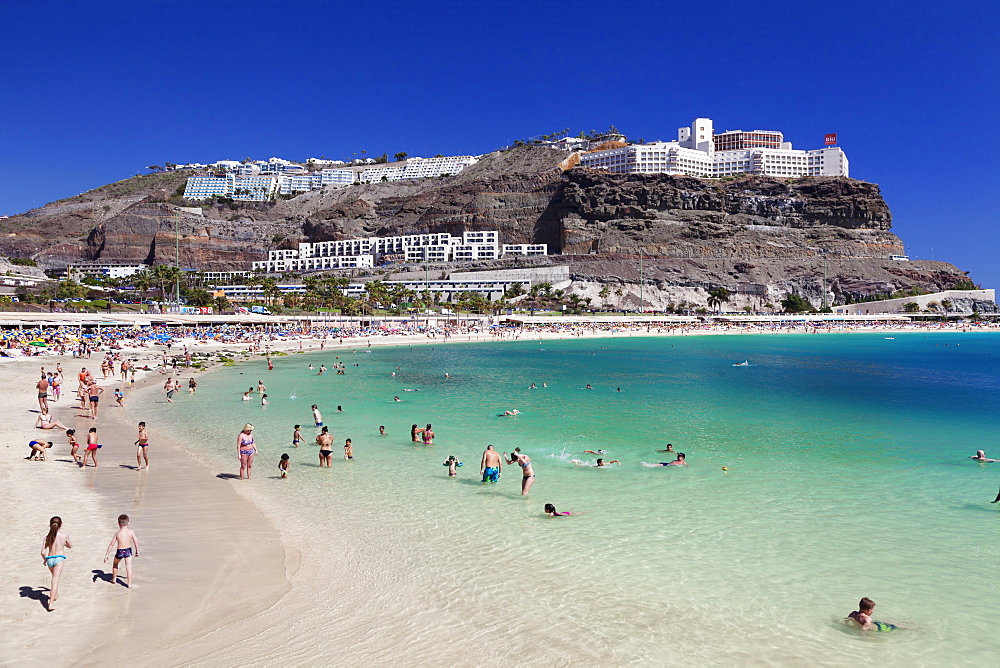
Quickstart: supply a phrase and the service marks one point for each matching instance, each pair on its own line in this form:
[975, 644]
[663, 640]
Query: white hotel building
[700, 152]
[262, 181]
[366, 252]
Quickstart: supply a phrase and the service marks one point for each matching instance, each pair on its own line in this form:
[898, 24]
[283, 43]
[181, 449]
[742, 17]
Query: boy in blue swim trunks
[123, 541]
[863, 617]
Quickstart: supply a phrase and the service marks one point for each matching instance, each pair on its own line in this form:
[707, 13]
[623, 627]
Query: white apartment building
[318, 263]
[337, 176]
[246, 188]
[699, 152]
[260, 181]
[417, 168]
[300, 183]
[417, 248]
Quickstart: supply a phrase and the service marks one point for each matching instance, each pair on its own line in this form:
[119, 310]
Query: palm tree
[142, 280]
[717, 297]
[269, 287]
[164, 275]
[221, 303]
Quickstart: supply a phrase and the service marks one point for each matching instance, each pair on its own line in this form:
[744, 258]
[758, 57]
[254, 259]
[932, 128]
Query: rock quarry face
[693, 234]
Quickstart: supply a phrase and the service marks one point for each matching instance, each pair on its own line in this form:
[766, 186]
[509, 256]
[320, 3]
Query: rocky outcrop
[750, 218]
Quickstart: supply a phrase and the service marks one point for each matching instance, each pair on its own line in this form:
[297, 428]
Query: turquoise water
[848, 476]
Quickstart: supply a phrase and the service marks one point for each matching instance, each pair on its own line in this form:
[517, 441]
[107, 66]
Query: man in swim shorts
[491, 465]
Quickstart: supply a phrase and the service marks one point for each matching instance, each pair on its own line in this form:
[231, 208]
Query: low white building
[525, 249]
[699, 152]
[443, 290]
[77, 271]
[947, 302]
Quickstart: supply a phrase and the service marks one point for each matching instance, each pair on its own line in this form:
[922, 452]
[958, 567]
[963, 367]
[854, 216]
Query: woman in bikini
[528, 474]
[415, 432]
[44, 421]
[428, 435]
[246, 449]
[53, 548]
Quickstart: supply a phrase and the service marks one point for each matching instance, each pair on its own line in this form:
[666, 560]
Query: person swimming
[551, 511]
[863, 618]
[980, 456]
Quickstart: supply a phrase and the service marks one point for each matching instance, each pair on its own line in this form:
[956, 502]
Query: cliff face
[755, 217]
[692, 233]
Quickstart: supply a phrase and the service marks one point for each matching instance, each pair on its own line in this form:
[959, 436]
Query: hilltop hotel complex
[700, 152]
[367, 252]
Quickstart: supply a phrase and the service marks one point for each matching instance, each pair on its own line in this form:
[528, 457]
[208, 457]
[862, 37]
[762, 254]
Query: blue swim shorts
[491, 474]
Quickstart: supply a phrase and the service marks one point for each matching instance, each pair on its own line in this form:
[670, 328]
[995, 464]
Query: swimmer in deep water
[677, 462]
[980, 456]
[589, 387]
[596, 452]
[670, 448]
[510, 413]
[863, 618]
[601, 462]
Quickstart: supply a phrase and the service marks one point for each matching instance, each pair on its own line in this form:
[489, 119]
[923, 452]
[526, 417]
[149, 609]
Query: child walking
[123, 541]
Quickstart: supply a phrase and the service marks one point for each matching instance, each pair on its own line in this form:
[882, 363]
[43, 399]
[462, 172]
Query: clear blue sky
[96, 91]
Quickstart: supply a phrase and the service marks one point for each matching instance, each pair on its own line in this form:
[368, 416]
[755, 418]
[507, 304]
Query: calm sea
[847, 475]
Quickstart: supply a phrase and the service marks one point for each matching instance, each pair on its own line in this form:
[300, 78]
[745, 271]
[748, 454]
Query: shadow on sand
[228, 476]
[39, 595]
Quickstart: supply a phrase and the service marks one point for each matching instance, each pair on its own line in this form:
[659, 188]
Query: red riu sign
[831, 140]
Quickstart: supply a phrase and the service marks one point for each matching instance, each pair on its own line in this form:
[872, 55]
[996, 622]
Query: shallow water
[848, 476]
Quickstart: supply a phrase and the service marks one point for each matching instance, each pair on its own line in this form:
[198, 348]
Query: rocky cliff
[693, 234]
